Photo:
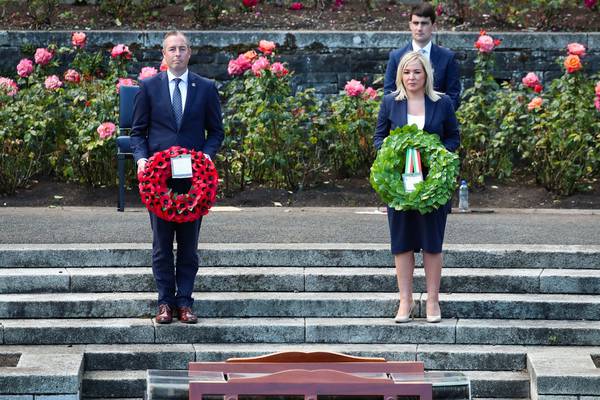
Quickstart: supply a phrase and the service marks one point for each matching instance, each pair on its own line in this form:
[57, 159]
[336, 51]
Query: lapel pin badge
[194, 84]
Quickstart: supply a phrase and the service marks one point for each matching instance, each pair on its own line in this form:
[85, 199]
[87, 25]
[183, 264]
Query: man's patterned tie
[177, 107]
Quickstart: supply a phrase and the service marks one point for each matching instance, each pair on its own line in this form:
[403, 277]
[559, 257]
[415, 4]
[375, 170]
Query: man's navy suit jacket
[445, 70]
[154, 127]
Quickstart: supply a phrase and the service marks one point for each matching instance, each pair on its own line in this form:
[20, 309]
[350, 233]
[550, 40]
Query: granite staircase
[76, 321]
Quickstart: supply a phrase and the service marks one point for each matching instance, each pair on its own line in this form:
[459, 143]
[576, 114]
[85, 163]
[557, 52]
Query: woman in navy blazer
[416, 102]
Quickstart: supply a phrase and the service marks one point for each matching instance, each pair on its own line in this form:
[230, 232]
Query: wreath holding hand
[173, 206]
[434, 191]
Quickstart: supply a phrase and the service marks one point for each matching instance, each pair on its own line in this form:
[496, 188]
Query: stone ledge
[563, 372]
[45, 373]
[300, 255]
[306, 39]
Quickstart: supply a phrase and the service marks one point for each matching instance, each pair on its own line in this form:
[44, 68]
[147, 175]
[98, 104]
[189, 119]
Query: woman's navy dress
[410, 230]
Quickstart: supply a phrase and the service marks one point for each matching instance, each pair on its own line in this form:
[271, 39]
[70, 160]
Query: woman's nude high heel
[399, 319]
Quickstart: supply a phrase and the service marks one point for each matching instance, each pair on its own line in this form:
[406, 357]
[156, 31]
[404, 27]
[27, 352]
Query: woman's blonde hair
[407, 59]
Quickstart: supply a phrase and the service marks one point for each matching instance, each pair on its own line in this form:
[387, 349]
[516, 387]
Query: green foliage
[514, 13]
[438, 186]
[269, 131]
[203, 9]
[559, 139]
[55, 131]
[481, 148]
[127, 9]
[350, 126]
[564, 145]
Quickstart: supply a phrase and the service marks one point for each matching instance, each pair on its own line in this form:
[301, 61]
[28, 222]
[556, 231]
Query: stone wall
[324, 60]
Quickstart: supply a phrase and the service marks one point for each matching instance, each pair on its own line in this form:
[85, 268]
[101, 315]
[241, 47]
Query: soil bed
[518, 193]
[352, 15]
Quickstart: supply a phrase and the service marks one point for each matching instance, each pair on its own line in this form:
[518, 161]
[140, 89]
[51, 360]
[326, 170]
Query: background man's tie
[177, 107]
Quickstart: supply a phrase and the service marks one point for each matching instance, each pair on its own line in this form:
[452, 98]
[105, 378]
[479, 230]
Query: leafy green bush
[350, 125]
[269, 128]
[564, 145]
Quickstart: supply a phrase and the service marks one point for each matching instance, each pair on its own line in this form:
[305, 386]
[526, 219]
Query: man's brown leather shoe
[186, 315]
[165, 314]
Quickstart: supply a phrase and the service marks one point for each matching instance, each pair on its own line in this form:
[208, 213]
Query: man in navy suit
[175, 108]
[446, 71]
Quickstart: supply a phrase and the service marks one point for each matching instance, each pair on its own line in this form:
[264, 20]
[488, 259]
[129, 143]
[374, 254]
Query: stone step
[303, 304]
[221, 279]
[301, 330]
[132, 383]
[177, 356]
[359, 255]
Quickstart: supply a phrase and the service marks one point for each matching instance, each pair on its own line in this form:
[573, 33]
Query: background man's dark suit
[445, 70]
[154, 129]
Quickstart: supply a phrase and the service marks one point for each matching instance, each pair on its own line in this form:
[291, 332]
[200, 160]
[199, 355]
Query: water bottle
[463, 197]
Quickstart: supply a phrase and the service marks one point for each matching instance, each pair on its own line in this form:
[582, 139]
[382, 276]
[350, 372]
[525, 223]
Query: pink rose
[25, 68]
[106, 130]
[597, 103]
[147, 72]
[530, 80]
[163, 65]
[485, 44]
[296, 6]
[8, 86]
[598, 88]
[279, 70]
[42, 56]
[120, 50]
[239, 65]
[52, 82]
[72, 76]
[249, 3]
[266, 47]
[590, 3]
[371, 93]
[354, 88]
[78, 39]
[125, 82]
[259, 65]
[576, 49]
[439, 10]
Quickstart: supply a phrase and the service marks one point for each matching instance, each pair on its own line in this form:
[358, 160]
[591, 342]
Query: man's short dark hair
[423, 10]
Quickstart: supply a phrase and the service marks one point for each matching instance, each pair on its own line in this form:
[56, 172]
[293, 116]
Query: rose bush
[51, 116]
[269, 136]
[350, 125]
[553, 128]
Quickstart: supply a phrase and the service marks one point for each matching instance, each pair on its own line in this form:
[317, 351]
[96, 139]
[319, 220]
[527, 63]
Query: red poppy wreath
[173, 206]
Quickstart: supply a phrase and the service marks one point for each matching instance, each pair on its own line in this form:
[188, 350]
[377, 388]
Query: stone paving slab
[293, 279]
[528, 332]
[473, 357]
[77, 331]
[570, 281]
[302, 304]
[32, 280]
[519, 306]
[114, 383]
[138, 356]
[564, 371]
[377, 330]
[300, 255]
[234, 330]
[502, 383]
[43, 373]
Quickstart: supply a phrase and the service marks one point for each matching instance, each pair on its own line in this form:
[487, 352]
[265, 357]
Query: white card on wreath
[181, 166]
[410, 180]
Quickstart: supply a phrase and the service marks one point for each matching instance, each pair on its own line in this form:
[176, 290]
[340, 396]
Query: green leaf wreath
[386, 172]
